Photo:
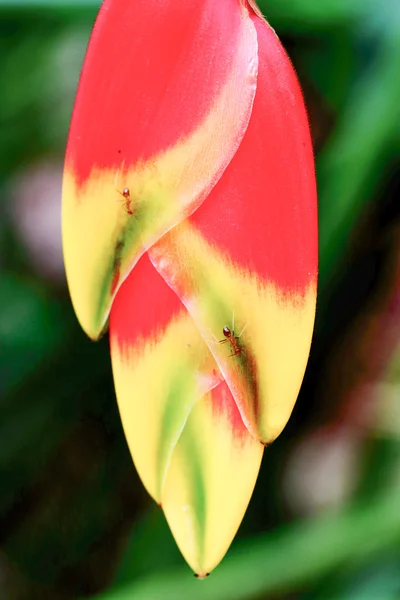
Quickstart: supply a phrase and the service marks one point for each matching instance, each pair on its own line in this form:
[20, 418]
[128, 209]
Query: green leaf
[284, 560]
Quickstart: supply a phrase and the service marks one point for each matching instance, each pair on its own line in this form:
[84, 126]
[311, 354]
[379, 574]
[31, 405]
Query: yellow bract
[265, 379]
[210, 481]
[157, 382]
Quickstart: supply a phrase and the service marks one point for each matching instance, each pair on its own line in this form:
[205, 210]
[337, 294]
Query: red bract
[190, 115]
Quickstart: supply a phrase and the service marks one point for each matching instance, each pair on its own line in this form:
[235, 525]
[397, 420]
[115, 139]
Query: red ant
[127, 195]
[231, 338]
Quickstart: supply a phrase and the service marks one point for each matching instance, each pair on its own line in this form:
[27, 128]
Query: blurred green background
[324, 521]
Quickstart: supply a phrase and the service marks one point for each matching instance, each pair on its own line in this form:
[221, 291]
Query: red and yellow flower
[189, 205]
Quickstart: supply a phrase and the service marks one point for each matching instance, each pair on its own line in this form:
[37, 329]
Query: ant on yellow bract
[127, 195]
[231, 338]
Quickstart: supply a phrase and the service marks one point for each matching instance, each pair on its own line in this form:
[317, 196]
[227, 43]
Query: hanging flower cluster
[190, 230]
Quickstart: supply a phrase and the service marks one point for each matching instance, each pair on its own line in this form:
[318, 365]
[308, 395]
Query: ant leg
[214, 341]
[211, 341]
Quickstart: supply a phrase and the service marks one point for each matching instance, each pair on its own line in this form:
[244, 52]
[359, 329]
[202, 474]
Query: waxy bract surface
[195, 110]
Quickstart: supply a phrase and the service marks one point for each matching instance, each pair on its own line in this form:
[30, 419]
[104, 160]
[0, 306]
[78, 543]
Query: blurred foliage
[74, 518]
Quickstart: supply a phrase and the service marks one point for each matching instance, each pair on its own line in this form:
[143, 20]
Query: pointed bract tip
[201, 575]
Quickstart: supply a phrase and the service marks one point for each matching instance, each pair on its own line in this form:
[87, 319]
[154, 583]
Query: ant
[231, 338]
[127, 195]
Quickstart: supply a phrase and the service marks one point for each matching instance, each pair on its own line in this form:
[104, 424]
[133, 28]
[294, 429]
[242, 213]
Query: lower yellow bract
[209, 484]
[157, 382]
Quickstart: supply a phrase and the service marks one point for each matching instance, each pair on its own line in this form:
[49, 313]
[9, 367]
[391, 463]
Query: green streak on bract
[177, 409]
[128, 244]
[215, 305]
[150, 219]
[191, 449]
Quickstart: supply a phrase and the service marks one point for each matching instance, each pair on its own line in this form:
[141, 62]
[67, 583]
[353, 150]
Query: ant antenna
[242, 330]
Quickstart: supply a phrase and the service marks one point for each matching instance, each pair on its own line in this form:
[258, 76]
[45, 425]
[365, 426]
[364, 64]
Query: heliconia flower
[189, 219]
